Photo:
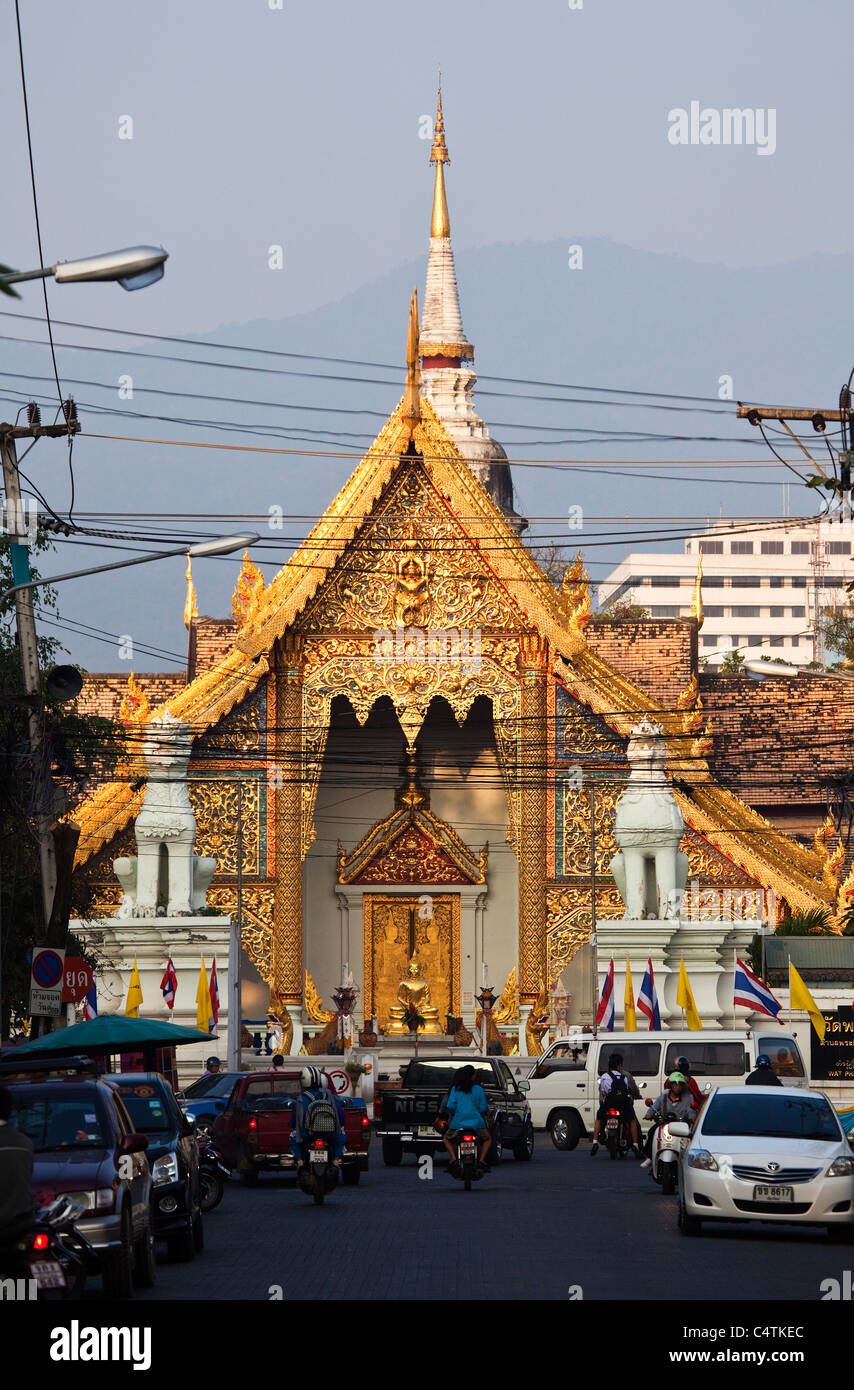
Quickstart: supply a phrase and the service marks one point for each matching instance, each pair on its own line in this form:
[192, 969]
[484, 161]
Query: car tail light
[253, 1123]
[365, 1122]
[378, 1107]
[40, 1242]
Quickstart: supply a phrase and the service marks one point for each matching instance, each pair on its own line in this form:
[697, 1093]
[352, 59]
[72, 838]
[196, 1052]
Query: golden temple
[413, 619]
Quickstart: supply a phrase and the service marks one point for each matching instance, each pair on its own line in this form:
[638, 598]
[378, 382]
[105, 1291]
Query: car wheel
[496, 1150]
[181, 1246]
[350, 1175]
[117, 1280]
[211, 1189]
[688, 1225]
[564, 1129]
[392, 1153]
[841, 1235]
[523, 1149]
[144, 1263]
[198, 1233]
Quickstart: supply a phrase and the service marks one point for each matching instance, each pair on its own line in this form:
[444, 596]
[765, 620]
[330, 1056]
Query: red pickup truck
[253, 1131]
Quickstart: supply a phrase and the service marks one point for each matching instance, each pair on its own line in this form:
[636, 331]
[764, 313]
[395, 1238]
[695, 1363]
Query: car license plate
[426, 1129]
[48, 1274]
[766, 1193]
[318, 1158]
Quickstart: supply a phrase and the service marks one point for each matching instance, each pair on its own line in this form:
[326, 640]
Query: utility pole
[45, 791]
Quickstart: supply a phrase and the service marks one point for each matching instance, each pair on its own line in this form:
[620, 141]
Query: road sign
[76, 979]
[46, 982]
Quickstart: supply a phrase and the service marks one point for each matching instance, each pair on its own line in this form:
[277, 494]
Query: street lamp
[133, 268]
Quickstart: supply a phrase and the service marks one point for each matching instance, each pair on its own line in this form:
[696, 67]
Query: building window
[665, 610]
[746, 611]
[799, 581]
[711, 547]
[713, 611]
[777, 581]
[744, 581]
[838, 547]
[775, 641]
[713, 581]
[741, 547]
[797, 612]
[800, 547]
[777, 612]
[710, 641]
[795, 641]
[666, 581]
[772, 547]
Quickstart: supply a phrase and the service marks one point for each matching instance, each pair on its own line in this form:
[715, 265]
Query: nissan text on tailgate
[254, 1130]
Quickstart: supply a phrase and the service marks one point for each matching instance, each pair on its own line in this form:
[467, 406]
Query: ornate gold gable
[412, 846]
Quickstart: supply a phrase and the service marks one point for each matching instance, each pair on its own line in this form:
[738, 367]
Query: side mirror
[134, 1143]
[679, 1129]
[401, 1071]
[524, 1086]
[189, 1124]
[643, 1088]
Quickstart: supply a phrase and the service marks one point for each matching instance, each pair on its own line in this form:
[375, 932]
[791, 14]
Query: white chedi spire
[446, 383]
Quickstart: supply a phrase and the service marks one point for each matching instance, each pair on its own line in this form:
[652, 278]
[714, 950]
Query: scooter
[467, 1169]
[317, 1173]
[665, 1157]
[212, 1175]
[48, 1262]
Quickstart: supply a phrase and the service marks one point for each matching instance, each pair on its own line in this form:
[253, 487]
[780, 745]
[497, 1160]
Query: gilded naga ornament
[247, 592]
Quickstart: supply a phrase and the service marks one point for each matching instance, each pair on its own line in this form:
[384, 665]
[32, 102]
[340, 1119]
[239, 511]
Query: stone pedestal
[709, 950]
[152, 940]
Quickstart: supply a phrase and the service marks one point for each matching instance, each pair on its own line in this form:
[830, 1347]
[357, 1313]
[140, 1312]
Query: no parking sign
[46, 981]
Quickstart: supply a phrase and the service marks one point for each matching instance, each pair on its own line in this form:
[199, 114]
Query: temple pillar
[533, 663]
[287, 955]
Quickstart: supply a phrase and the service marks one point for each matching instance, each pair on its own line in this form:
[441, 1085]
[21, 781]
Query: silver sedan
[766, 1153]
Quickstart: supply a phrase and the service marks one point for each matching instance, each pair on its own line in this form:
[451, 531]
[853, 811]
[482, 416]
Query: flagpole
[593, 940]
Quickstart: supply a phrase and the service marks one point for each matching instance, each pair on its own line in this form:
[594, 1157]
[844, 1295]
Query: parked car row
[119, 1148]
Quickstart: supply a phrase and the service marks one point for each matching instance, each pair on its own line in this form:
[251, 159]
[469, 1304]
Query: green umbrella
[108, 1033]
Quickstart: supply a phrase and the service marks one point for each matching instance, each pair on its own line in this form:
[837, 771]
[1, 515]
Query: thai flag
[214, 996]
[169, 984]
[648, 999]
[90, 1003]
[751, 994]
[605, 1011]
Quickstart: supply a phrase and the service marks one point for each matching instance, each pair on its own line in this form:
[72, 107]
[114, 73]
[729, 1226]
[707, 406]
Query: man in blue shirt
[312, 1088]
[467, 1108]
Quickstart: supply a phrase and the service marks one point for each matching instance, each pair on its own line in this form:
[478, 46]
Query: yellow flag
[800, 998]
[204, 1012]
[685, 999]
[134, 998]
[631, 1023]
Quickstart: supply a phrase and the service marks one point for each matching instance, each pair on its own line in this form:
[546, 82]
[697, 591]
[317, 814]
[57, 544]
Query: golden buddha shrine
[398, 754]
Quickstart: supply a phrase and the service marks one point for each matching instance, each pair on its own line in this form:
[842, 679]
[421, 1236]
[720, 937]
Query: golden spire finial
[135, 707]
[248, 590]
[411, 401]
[190, 609]
[697, 602]
[440, 224]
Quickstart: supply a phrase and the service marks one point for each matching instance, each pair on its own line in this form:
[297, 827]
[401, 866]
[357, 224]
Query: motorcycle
[48, 1262]
[616, 1133]
[467, 1146]
[212, 1175]
[317, 1173]
[665, 1156]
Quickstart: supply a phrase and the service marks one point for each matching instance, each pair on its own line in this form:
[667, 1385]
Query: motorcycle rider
[682, 1064]
[674, 1103]
[764, 1074]
[617, 1090]
[467, 1108]
[311, 1081]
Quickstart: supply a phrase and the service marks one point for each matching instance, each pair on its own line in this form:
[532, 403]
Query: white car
[766, 1153]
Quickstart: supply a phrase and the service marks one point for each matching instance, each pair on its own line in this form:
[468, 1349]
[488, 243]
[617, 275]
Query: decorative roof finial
[440, 224]
[135, 707]
[248, 590]
[697, 601]
[190, 609]
[411, 401]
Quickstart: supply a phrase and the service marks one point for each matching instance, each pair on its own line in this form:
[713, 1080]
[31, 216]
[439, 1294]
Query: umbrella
[96, 1037]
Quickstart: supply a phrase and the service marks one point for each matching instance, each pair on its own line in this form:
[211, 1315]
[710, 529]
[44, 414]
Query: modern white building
[762, 585]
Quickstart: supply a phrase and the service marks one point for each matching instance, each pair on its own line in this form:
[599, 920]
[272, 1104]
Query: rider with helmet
[213, 1066]
[763, 1074]
[312, 1087]
[684, 1066]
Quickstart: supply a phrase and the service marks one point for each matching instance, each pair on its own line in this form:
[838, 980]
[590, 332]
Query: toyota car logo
[772, 1167]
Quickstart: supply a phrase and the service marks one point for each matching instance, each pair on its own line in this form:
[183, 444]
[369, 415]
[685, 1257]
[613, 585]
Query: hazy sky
[299, 126]
[255, 126]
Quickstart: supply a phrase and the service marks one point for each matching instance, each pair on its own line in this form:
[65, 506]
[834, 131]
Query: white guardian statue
[650, 870]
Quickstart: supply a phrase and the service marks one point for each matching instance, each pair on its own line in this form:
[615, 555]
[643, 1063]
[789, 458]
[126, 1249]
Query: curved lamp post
[133, 268]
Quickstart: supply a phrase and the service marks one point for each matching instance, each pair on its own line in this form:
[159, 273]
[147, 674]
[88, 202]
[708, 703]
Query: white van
[564, 1082]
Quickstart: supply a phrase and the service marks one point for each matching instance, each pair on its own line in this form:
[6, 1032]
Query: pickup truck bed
[254, 1129]
[407, 1113]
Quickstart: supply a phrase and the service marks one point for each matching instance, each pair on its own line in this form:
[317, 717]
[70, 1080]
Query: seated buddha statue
[415, 990]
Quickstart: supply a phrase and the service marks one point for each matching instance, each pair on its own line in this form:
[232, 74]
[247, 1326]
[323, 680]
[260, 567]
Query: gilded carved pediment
[412, 846]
